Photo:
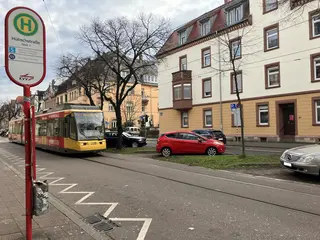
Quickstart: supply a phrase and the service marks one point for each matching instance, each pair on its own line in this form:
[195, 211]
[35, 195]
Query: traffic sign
[25, 47]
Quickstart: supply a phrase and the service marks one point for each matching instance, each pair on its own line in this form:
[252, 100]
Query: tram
[68, 128]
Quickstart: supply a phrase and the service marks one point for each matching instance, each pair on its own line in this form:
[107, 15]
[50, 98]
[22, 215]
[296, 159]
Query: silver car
[305, 159]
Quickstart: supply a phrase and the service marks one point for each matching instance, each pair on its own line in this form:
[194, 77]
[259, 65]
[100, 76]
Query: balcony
[145, 99]
[182, 90]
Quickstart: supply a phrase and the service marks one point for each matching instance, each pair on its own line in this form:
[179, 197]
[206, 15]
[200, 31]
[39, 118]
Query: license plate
[287, 164]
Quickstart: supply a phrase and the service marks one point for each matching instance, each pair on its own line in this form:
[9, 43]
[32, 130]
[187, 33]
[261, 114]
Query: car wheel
[166, 152]
[135, 145]
[211, 151]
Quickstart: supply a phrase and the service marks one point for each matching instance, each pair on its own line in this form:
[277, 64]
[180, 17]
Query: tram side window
[43, 128]
[53, 128]
[73, 128]
[50, 128]
[70, 127]
[37, 128]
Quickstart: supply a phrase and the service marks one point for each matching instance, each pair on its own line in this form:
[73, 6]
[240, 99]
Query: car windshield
[90, 125]
[126, 134]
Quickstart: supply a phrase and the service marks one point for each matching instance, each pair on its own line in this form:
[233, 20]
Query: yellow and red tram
[69, 128]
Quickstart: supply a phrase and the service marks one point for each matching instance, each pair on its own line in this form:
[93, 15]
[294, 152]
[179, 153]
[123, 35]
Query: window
[263, 114]
[114, 124]
[61, 99]
[184, 119]
[110, 107]
[239, 82]
[235, 48]
[182, 37]
[172, 135]
[206, 57]
[315, 67]
[236, 119]
[272, 75]
[206, 88]
[235, 15]
[129, 107]
[205, 28]
[183, 63]
[316, 111]
[177, 92]
[187, 136]
[314, 24]
[271, 37]
[207, 115]
[187, 91]
[269, 5]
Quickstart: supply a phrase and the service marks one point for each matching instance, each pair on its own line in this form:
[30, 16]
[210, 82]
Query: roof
[215, 16]
[70, 106]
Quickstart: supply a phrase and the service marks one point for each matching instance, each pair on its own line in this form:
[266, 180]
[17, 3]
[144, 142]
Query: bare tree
[131, 108]
[91, 74]
[8, 110]
[128, 48]
[234, 50]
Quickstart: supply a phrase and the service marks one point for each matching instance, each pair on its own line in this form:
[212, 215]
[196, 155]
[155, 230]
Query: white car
[304, 159]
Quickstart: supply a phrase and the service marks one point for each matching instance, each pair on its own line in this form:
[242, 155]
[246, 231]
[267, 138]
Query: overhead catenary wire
[53, 27]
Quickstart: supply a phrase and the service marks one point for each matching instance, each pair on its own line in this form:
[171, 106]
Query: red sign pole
[27, 136]
[33, 143]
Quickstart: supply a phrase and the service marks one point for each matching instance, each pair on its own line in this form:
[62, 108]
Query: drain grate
[92, 219]
[103, 226]
[100, 223]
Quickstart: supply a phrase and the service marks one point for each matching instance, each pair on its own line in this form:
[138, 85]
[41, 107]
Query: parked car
[133, 130]
[215, 134]
[186, 142]
[128, 140]
[304, 159]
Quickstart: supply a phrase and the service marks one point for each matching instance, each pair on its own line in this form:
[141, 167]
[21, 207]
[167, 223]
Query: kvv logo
[25, 24]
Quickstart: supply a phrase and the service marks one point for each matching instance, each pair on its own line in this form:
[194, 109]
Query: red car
[188, 143]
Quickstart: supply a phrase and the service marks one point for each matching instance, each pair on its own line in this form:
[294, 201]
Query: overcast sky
[68, 15]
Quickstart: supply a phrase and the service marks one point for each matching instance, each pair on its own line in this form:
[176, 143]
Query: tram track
[215, 189]
[91, 159]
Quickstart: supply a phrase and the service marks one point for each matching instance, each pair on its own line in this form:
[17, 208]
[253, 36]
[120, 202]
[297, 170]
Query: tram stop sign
[25, 47]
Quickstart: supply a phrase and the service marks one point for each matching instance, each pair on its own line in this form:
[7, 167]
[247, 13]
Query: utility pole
[220, 87]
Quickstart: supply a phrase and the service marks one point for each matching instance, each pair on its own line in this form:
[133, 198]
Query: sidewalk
[53, 225]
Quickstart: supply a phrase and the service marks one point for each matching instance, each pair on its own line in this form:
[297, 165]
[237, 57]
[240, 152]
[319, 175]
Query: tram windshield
[90, 125]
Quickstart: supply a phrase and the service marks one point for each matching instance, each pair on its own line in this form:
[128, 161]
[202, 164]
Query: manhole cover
[103, 226]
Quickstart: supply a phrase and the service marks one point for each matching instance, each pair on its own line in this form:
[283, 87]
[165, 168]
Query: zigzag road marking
[56, 181]
[112, 205]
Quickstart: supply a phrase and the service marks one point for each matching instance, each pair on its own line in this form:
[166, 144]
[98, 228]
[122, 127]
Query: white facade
[295, 48]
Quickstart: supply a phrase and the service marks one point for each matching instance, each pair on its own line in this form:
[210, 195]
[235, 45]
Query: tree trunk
[119, 126]
[88, 93]
[101, 102]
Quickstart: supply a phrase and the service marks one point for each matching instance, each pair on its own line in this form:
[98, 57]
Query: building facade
[141, 101]
[275, 50]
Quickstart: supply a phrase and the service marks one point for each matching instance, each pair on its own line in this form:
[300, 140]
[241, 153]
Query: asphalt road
[162, 200]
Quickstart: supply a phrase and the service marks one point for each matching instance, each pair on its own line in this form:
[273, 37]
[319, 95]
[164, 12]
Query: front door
[288, 119]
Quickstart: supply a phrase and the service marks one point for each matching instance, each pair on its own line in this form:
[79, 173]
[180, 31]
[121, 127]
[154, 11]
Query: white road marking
[144, 229]
[112, 205]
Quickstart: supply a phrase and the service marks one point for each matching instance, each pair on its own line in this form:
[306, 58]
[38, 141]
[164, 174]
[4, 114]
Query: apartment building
[277, 60]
